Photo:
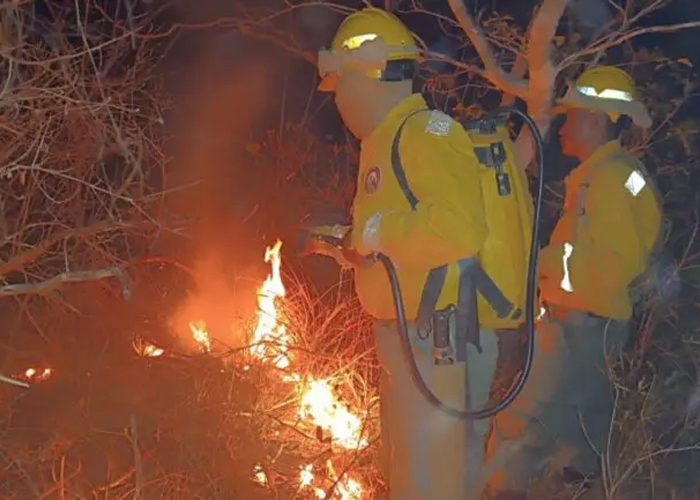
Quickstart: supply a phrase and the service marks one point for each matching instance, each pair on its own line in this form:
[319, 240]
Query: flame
[306, 476]
[259, 475]
[321, 406]
[200, 334]
[318, 405]
[146, 349]
[270, 339]
[344, 488]
[35, 375]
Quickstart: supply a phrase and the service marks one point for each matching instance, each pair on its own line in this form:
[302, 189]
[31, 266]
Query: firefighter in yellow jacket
[420, 200]
[601, 245]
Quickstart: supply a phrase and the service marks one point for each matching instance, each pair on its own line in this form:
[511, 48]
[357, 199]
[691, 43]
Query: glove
[316, 246]
[332, 225]
[327, 240]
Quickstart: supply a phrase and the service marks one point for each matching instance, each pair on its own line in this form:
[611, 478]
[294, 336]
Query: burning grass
[292, 415]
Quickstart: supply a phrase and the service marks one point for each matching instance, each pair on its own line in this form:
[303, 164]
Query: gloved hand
[329, 233]
[331, 223]
[317, 245]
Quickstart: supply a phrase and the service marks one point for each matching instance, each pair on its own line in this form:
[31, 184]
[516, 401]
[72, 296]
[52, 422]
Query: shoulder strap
[396, 165]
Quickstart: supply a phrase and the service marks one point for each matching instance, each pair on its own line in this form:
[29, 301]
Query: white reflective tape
[566, 279]
[612, 94]
[635, 183]
[370, 233]
[354, 42]
[439, 123]
[541, 314]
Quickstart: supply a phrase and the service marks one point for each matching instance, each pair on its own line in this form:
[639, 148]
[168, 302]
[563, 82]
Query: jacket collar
[608, 149]
[393, 118]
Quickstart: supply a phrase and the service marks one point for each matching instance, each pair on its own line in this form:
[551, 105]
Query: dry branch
[494, 72]
[67, 277]
[12, 381]
[538, 90]
[81, 155]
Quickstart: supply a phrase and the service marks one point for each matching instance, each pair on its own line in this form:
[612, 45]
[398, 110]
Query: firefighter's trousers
[562, 417]
[426, 453]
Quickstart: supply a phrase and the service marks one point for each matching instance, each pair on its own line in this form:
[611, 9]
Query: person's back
[456, 214]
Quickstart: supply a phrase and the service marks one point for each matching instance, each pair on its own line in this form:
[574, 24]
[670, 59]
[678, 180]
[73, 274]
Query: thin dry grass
[109, 423]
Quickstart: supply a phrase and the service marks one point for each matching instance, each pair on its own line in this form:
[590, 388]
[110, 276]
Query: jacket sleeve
[448, 222]
[612, 251]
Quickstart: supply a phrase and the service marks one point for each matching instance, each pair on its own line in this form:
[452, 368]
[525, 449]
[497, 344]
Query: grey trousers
[425, 452]
[563, 415]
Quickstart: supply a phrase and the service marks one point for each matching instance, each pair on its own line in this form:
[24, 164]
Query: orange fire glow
[318, 405]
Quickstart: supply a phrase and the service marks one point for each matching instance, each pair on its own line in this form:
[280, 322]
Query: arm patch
[439, 123]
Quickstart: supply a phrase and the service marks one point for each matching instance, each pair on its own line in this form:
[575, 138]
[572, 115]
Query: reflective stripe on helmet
[612, 94]
[354, 42]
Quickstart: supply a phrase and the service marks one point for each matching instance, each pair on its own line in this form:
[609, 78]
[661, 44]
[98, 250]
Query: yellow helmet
[371, 37]
[611, 91]
[607, 82]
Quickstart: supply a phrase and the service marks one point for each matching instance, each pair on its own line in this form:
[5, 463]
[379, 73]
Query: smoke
[224, 94]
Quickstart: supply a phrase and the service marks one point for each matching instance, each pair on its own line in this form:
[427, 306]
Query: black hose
[531, 292]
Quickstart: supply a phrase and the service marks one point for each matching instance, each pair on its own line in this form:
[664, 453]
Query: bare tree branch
[67, 277]
[617, 38]
[538, 91]
[518, 71]
[493, 70]
[542, 71]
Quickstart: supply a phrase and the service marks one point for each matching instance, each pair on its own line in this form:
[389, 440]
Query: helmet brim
[634, 109]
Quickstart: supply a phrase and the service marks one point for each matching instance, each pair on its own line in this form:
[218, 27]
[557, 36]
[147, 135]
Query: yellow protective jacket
[449, 222]
[608, 229]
